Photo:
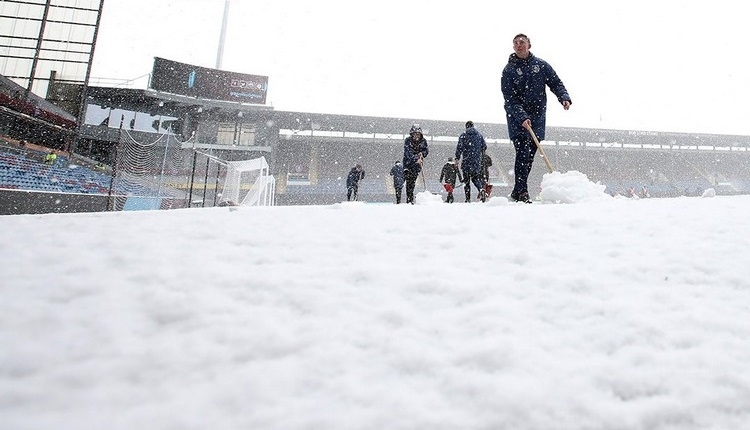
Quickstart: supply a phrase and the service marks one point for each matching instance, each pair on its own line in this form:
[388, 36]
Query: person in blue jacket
[470, 148]
[397, 171]
[352, 181]
[524, 81]
[415, 151]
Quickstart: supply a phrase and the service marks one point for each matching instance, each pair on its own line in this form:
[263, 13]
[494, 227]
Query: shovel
[541, 149]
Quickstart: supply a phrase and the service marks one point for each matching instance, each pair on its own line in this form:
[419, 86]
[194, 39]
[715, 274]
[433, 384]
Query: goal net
[248, 183]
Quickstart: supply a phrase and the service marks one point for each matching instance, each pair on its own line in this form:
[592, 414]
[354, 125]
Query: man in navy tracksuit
[471, 146]
[524, 83]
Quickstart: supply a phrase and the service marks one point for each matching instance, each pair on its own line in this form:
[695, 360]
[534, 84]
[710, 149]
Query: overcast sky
[662, 66]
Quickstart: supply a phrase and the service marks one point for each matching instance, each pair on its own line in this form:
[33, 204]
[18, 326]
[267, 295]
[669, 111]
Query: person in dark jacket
[415, 151]
[352, 181]
[524, 81]
[471, 146]
[448, 178]
[397, 171]
[486, 164]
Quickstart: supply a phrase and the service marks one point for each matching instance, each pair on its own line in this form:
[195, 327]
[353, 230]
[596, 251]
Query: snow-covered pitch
[604, 313]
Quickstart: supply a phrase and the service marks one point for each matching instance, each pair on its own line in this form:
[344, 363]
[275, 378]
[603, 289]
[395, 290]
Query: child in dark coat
[448, 178]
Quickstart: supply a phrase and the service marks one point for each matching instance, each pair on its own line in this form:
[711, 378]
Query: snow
[606, 313]
[570, 187]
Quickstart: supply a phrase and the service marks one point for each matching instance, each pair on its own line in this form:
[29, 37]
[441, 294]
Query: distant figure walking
[352, 181]
[448, 178]
[415, 151]
[397, 171]
[486, 164]
[471, 146]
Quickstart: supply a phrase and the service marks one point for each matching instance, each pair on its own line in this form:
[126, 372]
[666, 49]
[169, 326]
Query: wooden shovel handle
[541, 149]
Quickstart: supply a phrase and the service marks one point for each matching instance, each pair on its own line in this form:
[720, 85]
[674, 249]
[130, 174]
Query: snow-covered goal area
[248, 183]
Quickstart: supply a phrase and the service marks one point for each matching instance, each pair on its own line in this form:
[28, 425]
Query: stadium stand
[23, 169]
[310, 154]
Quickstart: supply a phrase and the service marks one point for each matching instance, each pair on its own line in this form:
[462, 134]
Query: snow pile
[498, 201]
[427, 198]
[570, 187]
[709, 193]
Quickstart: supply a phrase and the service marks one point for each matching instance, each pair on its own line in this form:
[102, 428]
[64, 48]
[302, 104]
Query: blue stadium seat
[20, 172]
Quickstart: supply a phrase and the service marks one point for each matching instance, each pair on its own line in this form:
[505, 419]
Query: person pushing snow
[471, 146]
[352, 181]
[415, 151]
[524, 81]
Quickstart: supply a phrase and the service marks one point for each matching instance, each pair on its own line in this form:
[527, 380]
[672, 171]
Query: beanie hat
[415, 129]
[469, 124]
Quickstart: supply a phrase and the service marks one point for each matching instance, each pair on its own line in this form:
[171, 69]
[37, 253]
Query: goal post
[248, 183]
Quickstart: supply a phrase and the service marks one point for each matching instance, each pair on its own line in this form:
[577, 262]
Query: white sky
[607, 313]
[648, 65]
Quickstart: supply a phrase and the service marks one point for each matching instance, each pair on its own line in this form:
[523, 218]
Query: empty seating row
[20, 172]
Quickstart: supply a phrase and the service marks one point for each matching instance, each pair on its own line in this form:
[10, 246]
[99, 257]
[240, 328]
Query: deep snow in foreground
[602, 314]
